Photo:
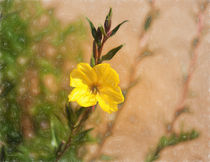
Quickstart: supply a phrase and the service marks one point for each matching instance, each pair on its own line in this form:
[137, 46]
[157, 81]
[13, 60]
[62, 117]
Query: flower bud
[98, 35]
[107, 23]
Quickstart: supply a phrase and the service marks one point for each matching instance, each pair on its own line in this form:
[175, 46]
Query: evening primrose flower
[97, 84]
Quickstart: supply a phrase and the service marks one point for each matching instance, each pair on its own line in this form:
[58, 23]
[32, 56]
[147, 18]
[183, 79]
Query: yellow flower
[97, 84]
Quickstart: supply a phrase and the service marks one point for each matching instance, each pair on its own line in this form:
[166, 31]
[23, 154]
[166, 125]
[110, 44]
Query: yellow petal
[109, 97]
[83, 96]
[106, 106]
[106, 75]
[111, 94]
[82, 75]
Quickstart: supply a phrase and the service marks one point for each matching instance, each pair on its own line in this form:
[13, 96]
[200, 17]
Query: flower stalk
[93, 84]
[74, 132]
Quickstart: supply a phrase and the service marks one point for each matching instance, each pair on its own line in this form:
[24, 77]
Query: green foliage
[81, 137]
[100, 36]
[92, 61]
[106, 157]
[23, 59]
[93, 29]
[113, 32]
[102, 30]
[173, 139]
[148, 22]
[111, 53]
[78, 135]
[108, 20]
[13, 40]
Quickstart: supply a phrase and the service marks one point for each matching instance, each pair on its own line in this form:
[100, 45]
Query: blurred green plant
[167, 141]
[35, 49]
[34, 46]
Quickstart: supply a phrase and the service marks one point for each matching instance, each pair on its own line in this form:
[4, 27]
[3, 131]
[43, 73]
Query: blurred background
[164, 70]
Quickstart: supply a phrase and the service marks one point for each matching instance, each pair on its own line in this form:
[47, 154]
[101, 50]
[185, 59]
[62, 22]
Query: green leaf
[163, 142]
[71, 116]
[194, 134]
[111, 53]
[172, 140]
[146, 53]
[102, 30]
[93, 29]
[92, 61]
[195, 42]
[54, 142]
[106, 157]
[117, 27]
[81, 137]
[147, 23]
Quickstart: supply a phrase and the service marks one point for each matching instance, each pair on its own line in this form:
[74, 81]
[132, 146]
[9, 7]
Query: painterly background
[164, 66]
[152, 102]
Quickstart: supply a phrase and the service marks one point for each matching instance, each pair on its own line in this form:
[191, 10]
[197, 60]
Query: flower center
[94, 89]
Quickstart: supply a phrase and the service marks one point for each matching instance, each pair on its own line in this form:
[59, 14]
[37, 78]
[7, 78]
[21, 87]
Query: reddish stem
[110, 129]
[193, 62]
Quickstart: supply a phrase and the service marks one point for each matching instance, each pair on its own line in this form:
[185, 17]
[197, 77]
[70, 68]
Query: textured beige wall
[151, 104]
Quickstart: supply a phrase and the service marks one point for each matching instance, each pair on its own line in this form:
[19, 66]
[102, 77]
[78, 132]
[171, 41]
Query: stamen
[94, 89]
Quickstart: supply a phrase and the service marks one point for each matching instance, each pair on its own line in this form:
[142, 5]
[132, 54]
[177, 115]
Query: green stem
[74, 132]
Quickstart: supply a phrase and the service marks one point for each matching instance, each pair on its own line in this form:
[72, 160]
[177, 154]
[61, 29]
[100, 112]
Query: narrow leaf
[111, 53]
[106, 157]
[116, 28]
[70, 116]
[102, 30]
[147, 23]
[81, 137]
[109, 14]
[54, 142]
[92, 61]
[93, 29]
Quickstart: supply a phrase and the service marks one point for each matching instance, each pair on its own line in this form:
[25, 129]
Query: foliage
[173, 139]
[32, 125]
[36, 123]
[101, 35]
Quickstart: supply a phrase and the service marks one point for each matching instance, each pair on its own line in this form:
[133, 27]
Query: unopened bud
[108, 21]
[98, 34]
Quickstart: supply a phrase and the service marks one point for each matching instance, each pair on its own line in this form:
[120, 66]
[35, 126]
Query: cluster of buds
[100, 36]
